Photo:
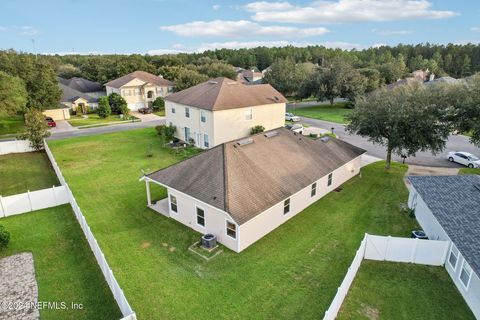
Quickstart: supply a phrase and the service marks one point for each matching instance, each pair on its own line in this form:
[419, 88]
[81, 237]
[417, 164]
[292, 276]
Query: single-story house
[448, 208]
[221, 110]
[243, 189]
[140, 88]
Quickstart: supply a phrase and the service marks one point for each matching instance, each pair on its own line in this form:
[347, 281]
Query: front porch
[161, 206]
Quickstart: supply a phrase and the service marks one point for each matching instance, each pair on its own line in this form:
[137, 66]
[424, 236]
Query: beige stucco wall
[270, 219]
[225, 125]
[57, 114]
[215, 219]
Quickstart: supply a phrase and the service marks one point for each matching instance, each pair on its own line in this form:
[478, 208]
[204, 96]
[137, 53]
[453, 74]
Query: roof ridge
[225, 179]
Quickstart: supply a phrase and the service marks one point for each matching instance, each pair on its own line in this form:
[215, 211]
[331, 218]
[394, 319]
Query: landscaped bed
[65, 268]
[389, 290]
[20, 172]
[332, 113]
[293, 272]
[95, 120]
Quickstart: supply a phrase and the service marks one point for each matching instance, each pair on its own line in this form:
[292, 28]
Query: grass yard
[20, 172]
[469, 171]
[93, 119]
[65, 267]
[160, 113]
[292, 273]
[335, 113]
[11, 125]
[389, 290]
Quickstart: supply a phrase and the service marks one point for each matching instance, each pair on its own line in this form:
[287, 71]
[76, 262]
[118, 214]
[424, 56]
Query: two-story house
[221, 110]
[140, 88]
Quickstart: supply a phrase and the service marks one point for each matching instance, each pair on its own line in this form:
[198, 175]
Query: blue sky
[161, 26]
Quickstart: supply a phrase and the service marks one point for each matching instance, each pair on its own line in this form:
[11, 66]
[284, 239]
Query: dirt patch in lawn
[369, 311]
[146, 245]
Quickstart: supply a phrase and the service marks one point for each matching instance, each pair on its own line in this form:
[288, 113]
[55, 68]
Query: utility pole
[34, 51]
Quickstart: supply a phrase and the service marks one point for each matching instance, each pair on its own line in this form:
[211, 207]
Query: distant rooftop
[142, 75]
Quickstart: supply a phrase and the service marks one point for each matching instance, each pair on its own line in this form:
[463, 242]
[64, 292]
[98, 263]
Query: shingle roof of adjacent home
[70, 94]
[455, 203]
[223, 93]
[142, 75]
[246, 177]
[81, 84]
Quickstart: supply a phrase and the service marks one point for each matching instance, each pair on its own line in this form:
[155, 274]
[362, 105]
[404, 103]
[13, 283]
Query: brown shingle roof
[223, 93]
[246, 180]
[142, 75]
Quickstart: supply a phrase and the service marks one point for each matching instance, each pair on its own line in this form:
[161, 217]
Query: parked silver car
[291, 117]
[465, 158]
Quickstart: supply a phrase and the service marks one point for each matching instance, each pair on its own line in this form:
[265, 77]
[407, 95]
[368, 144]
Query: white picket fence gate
[15, 146]
[33, 200]
[117, 292]
[394, 249]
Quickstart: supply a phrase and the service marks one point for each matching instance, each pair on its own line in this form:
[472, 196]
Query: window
[206, 143]
[170, 89]
[203, 116]
[231, 230]
[127, 92]
[330, 178]
[314, 190]
[453, 258]
[200, 217]
[187, 112]
[465, 274]
[286, 206]
[173, 203]
[137, 92]
[248, 114]
[173, 109]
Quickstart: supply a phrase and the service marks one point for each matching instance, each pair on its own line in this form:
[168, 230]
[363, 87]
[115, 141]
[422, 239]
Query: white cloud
[216, 7]
[346, 11]
[475, 29]
[392, 32]
[239, 29]
[28, 31]
[280, 43]
[167, 51]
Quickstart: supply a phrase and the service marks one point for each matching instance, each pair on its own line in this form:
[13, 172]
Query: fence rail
[15, 146]
[33, 200]
[117, 292]
[428, 252]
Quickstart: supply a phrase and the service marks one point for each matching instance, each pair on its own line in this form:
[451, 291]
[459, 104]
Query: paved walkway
[146, 117]
[18, 288]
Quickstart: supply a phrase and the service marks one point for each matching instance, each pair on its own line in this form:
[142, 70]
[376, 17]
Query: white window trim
[454, 268]
[330, 180]
[170, 203]
[250, 112]
[226, 229]
[187, 112]
[469, 277]
[196, 217]
[203, 115]
[313, 188]
[173, 109]
[289, 206]
[206, 141]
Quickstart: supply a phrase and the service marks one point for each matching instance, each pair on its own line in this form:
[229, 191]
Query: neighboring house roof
[142, 75]
[245, 180]
[223, 93]
[81, 84]
[455, 203]
[447, 79]
[70, 94]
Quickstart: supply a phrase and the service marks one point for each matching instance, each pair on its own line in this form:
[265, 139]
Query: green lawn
[388, 290]
[94, 119]
[469, 171]
[65, 267]
[20, 172]
[291, 273]
[11, 125]
[160, 113]
[335, 113]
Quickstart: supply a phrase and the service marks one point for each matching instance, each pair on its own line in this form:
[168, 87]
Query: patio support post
[149, 198]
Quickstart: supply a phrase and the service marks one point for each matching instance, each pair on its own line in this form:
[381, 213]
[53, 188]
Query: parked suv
[50, 122]
[145, 110]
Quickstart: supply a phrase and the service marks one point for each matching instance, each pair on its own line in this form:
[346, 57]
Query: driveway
[454, 143]
[146, 117]
[62, 126]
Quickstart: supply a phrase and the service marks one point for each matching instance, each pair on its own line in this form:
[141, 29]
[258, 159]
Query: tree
[188, 78]
[36, 129]
[257, 129]
[405, 120]
[4, 237]
[466, 101]
[103, 109]
[42, 87]
[117, 103]
[287, 77]
[68, 71]
[158, 104]
[13, 95]
[218, 69]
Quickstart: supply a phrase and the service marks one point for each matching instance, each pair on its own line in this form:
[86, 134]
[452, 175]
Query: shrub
[313, 135]
[124, 110]
[165, 132]
[103, 109]
[117, 103]
[4, 237]
[36, 129]
[257, 129]
[158, 104]
[91, 110]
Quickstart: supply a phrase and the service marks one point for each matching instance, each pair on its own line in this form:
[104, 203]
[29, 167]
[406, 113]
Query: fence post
[29, 200]
[3, 210]
[414, 251]
[54, 195]
[386, 249]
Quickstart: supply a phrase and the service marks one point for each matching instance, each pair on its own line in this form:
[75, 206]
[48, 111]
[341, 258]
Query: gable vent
[271, 134]
[245, 142]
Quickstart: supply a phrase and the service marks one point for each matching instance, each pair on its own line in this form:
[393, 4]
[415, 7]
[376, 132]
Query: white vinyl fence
[15, 146]
[428, 252]
[117, 292]
[33, 200]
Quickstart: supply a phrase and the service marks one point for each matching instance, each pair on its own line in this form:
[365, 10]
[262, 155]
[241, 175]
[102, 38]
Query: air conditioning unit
[209, 241]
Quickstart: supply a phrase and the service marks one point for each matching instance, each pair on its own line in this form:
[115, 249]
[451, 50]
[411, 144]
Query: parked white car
[291, 117]
[298, 128]
[465, 158]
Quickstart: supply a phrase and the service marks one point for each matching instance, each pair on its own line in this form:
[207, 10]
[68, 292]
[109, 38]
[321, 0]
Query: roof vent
[325, 139]
[270, 134]
[245, 142]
